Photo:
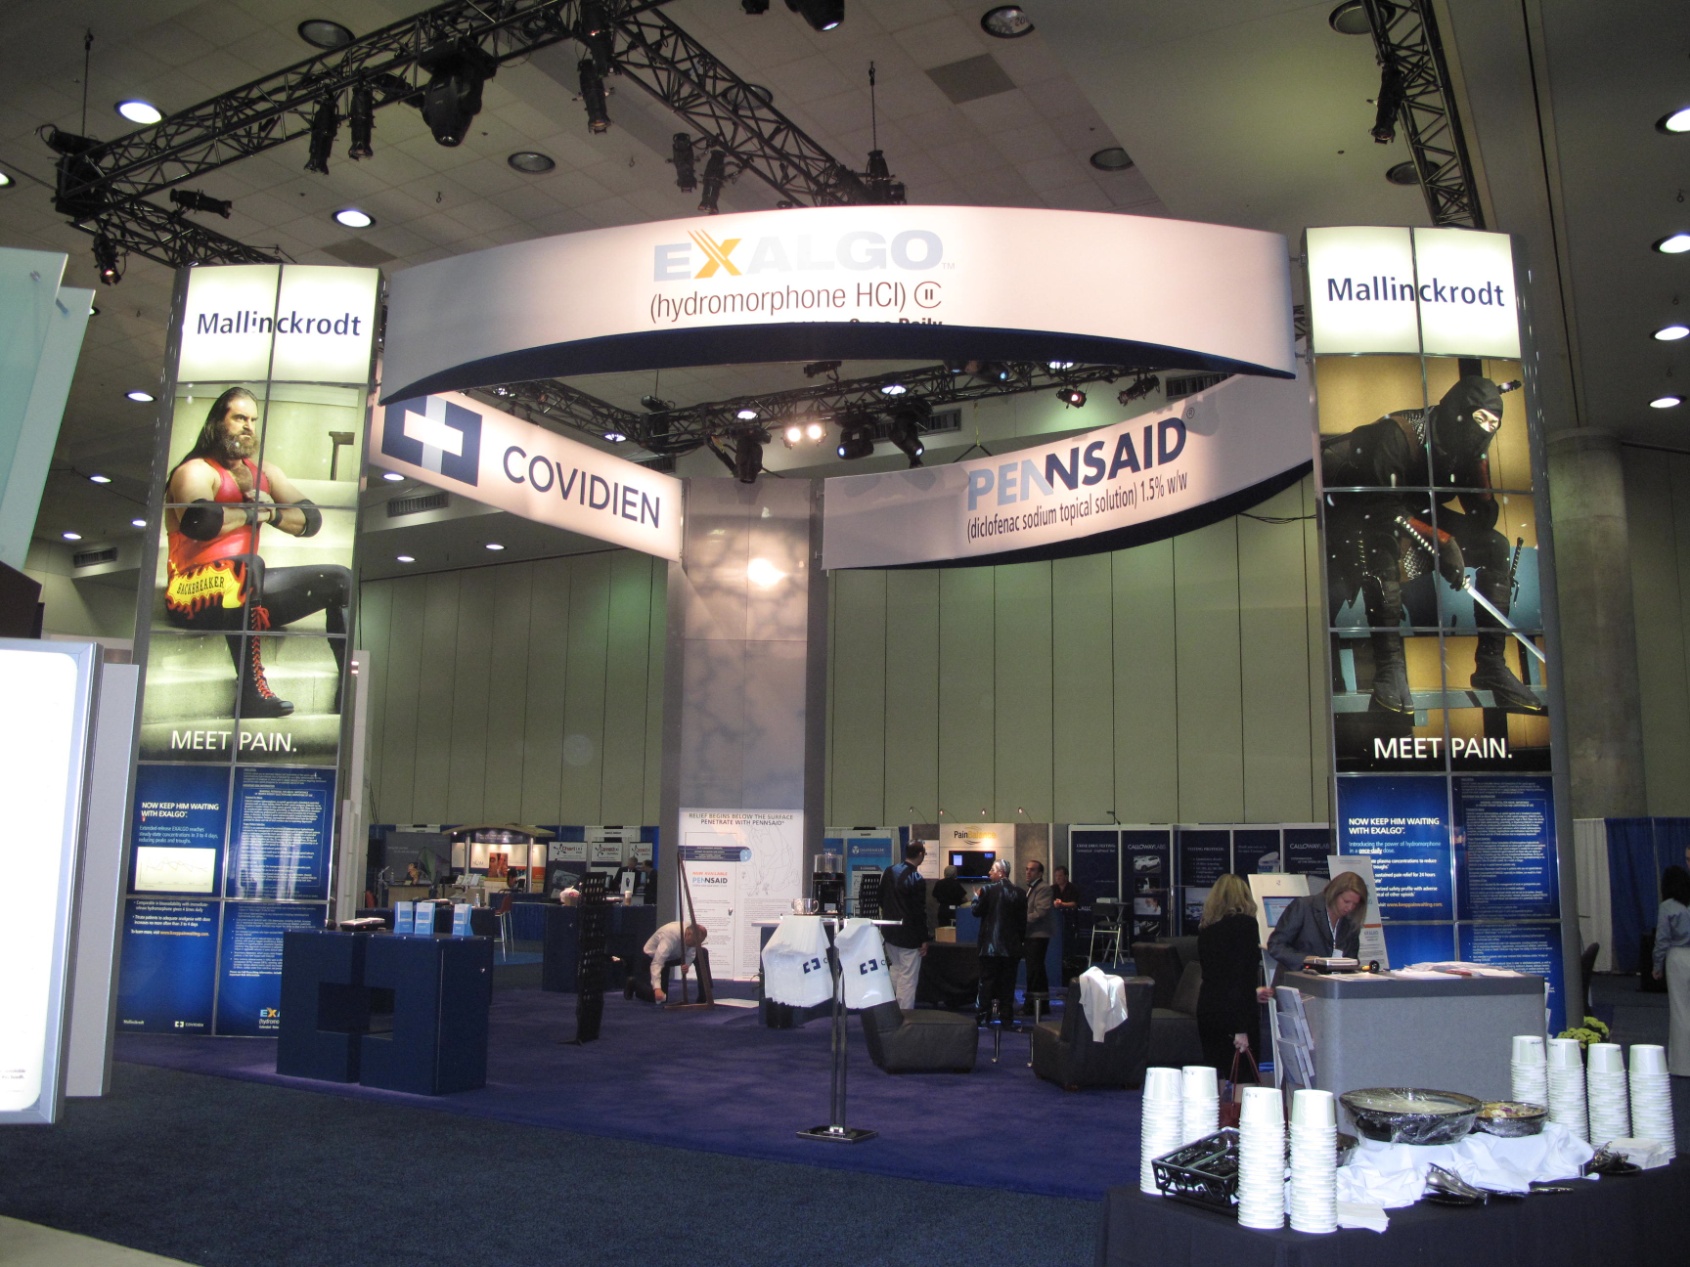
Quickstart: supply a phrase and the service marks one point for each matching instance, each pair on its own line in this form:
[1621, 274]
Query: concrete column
[1598, 625]
[745, 680]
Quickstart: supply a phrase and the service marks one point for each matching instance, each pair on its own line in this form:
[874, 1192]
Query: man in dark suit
[1324, 925]
[1041, 925]
[1002, 909]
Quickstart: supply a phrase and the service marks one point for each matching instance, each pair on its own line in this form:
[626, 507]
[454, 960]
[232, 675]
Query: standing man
[1041, 924]
[1002, 909]
[903, 897]
[1064, 893]
[649, 978]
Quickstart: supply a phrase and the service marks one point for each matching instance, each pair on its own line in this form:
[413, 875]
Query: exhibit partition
[244, 629]
[1439, 597]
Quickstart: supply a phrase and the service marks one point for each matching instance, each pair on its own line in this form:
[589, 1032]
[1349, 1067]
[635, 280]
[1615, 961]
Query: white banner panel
[743, 866]
[855, 281]
[1238, 434]
[459, 444]
[1446, 292]
[323, 319]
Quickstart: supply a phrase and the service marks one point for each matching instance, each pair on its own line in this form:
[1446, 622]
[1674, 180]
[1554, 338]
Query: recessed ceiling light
[1666, 402]
[99, 479]
[137, 111]
[353, 218]
[746, 415]
[615, 437]
[403, 558]
[321, 33]
[1349, 18]
[893, 389]
[1672, 333]
[1112, 159]
[531, 161]
[137, 523]
[1677, 244]
[1006, 22]
[4, 180]
[1677, 122]
[392, 477]
[72, 536]
[494, 545]
[1402, 174]
[140, 397]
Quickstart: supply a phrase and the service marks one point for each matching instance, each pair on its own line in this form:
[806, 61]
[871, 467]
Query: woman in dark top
[949, 893]
[1229, 948]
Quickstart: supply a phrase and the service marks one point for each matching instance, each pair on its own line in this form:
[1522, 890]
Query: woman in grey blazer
[1325, 925]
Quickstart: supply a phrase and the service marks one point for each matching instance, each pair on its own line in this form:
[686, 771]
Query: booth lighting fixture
[1672, 333]
[715, 172]
[140, 397]
[893, 389]
[593, 95]
[137, 111]
[1071, 397]
[596, 32]
[822, 15]
[1138, 389]
[1112, 158]
[1666, 402]
[99, 479]
[361, 118]
[1056, 367]
[1677, 123]
[1404, 174]
[71, 536]
[905, 431]
[393, 477]
[5, 180]
[856, 440]
[325, 123]
[655, 404]
[816, 368]
[615, 437]
[457, 69]
[763, 574]
[494, 545]
[532, 162]
[754, 7]
[748, 457]
[1006, 22]
[1349, 18]
[108, 259]
[137, 523]
[1676, 244]
[321, 33]
[680, 146]
[404, 558]
[353, 218]
[746, 415]
[194, 200]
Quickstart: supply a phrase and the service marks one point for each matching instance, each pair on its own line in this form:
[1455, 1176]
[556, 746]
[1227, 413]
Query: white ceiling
[1248, 112]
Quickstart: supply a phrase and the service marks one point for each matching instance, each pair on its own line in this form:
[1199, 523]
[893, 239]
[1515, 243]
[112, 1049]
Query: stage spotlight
[791, 435]
[856, 439]
[686, 179]
[815, 432]
[816, 368]
[1139, 388]
[715, 172]
[108, 259]
[457, 70]
[593, 96]
[907, 423]
[194, 200]
[655, 404]
[748, 457]
[362, 121]
[324, 124]
[754, 7]
[74, 168]
[822, 15]
[1072, 397]
[596, 33]
[1390, 103]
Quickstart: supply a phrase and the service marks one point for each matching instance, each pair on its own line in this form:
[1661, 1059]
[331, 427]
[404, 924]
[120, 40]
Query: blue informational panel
[283, 829]
[1251, 846]
[178, 827]
[1505, 847]
[169, 965]
[1148, 863]
[1402, 823]
[1205, 855]
[1419, 943]
[249, 969]
[1096, 862]
[1534, 948]
[1305, 850]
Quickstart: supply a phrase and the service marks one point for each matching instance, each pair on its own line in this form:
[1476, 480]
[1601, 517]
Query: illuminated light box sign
[958, 282]
[1440, 292]
[320, 319]
[459, 444]
[1241, 435]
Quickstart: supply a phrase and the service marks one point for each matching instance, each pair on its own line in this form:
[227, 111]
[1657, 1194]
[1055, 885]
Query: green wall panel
[967, 704]
[434, 696]
[1022, 693]
[857, 717]
[507, 693]
[1658, 599]
[548, 646]
[627, 658]
[582, 792]
[1082, 688]
[1146, 738]
[1209, 675]
[912, 697]
[375, 619]
[394, 799]
[467, 738]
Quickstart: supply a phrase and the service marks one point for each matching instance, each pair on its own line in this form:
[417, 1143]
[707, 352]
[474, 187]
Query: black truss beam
[1405, 38]
[166, 237]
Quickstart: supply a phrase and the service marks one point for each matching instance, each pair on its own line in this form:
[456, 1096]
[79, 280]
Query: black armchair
[1065, 1053]
[919, 1042]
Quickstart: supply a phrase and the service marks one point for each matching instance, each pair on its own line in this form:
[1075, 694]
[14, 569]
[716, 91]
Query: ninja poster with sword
[1432, 590]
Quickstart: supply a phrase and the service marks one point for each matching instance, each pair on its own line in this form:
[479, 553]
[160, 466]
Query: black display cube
[441, 989]
[560, 968]
[324, 1003]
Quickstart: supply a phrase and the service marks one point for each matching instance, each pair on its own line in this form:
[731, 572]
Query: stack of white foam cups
[1606, 1094]
[1566, 1086]
[1651, 1097]
[1261, 1159]
[1531, 1074]
[1160, 1127]
[1313, 1196]
[1200, 1109]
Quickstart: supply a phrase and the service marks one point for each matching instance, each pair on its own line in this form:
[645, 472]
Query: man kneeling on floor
[648, 978]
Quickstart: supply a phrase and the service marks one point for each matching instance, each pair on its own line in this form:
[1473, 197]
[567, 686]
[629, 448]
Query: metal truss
[684, 429]
[1405, 39]
[165, 237]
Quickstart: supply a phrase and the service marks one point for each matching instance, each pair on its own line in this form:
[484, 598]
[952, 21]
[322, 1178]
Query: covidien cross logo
[436, 435]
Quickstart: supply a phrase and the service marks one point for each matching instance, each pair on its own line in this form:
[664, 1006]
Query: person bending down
[668, 947]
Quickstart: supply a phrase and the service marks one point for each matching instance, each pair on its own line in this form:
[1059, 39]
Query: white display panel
[323, 319]
[48, 689]
[742, 866]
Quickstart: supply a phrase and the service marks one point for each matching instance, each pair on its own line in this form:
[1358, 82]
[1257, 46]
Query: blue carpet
[718, 1081]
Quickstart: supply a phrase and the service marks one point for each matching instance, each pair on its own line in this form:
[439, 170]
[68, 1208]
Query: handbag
[1233, 1105]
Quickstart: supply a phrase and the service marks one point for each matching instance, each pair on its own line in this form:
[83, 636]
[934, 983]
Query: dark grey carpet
[220, 1172]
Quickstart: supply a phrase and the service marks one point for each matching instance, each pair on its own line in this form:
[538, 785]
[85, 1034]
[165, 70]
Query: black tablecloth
[1637, 1221]
[950, 975]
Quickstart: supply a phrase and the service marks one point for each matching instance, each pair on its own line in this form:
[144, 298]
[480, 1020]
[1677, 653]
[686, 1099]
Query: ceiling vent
[1190, 384]
[88, 558]
[398, 507]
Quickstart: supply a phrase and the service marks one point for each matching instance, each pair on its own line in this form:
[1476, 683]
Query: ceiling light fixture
[1006, 22]
[615, 437]
[99, 479]
[71, 536]
[140, 397]
[815, 368]
[747, 414]
[5, 180]
[1672, 333]
[715, 172]
[593, 96]
[362, 120]
[353, 218]
[404, 558]
[194, 200]
[137, 111]
[325, 123]
[1349, 18]
[1666, 402]
[748, 456]
[321, 33]
[1138, 389]
[815, 432]
[1071, 397]
[1404, 173]
[822, 15]
[1676, 244]
[494, 545]
[393, 477]
[457, 69]
[893, 389]
[1111, 158]
[137, 523]
[856, 439]
[1677, 123]
[532, 162]
[108, 259]
[908, 421]
[680, 154]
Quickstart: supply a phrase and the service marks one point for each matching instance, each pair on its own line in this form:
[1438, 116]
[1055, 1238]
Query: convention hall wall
[1180, 681]
[1657, 489]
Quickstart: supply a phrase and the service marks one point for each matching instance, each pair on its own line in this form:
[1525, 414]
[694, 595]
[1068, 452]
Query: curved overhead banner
[1241, 434]
[848, 282]
[459, 444]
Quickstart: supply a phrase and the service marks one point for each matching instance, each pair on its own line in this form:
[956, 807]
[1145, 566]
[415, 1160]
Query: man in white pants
[903, 897]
